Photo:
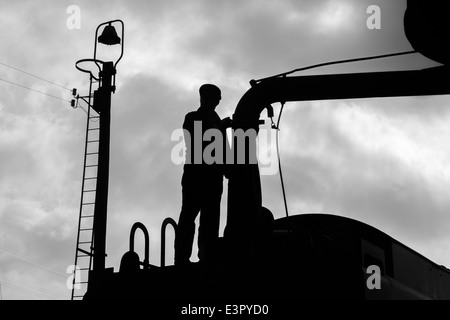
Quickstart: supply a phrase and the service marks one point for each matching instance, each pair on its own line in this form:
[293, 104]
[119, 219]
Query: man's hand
[226, 123]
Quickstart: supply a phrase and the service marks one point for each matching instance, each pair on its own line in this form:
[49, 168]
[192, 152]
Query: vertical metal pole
[102, 103]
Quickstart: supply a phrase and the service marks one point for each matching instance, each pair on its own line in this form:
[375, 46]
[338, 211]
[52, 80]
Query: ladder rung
[84, 251]
[81, 282]
[91, 153]
[90, 190]
[84, 242]
[84, 217]
[91, 255]
[84, 269]
[91, 141]
[93, 129]
[88, 203]
[91, 178]
[92, 165]
[86, 229]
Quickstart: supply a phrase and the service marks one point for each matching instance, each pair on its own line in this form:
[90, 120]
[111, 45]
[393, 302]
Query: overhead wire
[45, 80]
[34, 90]
[39, 266]
[36, 262]
[17, 250]
[26, 287]
[34, 76]
[24, 87]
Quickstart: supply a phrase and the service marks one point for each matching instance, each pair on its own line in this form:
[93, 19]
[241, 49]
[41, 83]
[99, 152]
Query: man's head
[210, 96]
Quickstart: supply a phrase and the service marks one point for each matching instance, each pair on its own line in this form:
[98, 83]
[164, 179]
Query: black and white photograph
[225, 158]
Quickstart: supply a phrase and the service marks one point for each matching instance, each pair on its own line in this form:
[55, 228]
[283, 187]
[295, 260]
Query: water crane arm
[244, 188]
[433, 81]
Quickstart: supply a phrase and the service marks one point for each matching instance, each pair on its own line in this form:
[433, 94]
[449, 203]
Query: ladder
[84, 246]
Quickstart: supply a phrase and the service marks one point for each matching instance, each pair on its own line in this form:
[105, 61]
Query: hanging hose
[279, 159]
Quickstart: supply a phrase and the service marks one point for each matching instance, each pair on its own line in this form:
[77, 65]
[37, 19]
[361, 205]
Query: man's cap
[209, 91]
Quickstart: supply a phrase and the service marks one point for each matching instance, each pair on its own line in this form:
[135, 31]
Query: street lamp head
[109, 36]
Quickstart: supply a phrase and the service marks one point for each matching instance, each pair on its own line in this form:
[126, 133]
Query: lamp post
[102, 105]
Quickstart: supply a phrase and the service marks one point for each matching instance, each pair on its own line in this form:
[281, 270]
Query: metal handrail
[139, 225]
[163, 237]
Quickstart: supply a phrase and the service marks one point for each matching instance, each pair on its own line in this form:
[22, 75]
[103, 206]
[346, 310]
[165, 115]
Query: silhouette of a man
[202, 183]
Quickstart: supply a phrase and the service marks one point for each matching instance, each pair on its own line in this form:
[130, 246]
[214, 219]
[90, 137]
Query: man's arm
[188, 123]
[225, 123]
[188, 131]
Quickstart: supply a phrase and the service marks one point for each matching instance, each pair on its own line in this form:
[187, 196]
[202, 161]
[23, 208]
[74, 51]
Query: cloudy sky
[383, 161]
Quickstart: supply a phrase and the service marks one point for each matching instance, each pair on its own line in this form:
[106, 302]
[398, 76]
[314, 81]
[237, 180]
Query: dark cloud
[327, 170]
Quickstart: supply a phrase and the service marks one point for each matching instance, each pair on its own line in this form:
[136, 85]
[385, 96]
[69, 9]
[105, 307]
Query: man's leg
[208, 232]
[186, 225]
